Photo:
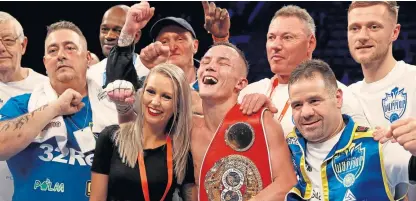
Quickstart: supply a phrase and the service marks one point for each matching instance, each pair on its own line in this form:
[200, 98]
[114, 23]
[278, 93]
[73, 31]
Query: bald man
[111, 25]
[110, 29]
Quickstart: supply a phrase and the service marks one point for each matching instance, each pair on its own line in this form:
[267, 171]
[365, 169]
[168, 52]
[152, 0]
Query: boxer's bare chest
[200, 140]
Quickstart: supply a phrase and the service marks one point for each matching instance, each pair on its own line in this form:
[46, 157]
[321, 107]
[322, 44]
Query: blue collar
[195, 85]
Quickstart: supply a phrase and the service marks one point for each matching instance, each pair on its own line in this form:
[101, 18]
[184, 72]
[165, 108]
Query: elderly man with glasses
[14, 80]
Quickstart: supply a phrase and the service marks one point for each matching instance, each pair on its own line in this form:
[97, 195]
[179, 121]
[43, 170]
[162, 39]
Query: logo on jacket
[349, 164]
[292, 140]
[349, 196]
[394, 104]
[47, 185]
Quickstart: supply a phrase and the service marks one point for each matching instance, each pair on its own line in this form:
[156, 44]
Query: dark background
[249, 24]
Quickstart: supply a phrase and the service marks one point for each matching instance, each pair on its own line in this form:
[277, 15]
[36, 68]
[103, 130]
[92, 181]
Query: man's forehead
[63, 36]
[287, 24]
[7, 28]
[114, 20]
[110, 22]
[222, 51]
[115, 12]
[313, 83]
[359, 13]
[6, 32]
[307, 88]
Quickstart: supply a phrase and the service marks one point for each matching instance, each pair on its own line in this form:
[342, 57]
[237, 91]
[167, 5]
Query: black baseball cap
[160, 24]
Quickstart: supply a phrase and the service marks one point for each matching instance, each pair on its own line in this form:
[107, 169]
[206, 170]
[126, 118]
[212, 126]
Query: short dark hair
[298, 12]
[65, 25]
[240, 53]
[391, 6]
[310, 69]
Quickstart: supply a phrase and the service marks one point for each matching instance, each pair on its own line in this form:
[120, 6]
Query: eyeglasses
[9, 41]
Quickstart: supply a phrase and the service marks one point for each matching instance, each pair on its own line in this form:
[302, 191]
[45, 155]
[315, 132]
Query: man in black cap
[179, 36]
[175, 42]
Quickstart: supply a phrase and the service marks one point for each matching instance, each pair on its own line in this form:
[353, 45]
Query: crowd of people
[159, 124]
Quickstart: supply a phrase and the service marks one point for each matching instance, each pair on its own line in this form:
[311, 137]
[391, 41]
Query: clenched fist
[404, 132]
[154, 54]
[69, 102]
[122, 93]
[137, 17]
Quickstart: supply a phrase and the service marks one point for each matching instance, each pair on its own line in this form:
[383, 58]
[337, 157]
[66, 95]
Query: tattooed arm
[120, 60]
[189, 192]
[126, 38]
[16, 134]
[137, 18]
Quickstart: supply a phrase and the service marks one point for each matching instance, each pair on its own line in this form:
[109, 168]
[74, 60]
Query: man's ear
[89, 57]
[241, 84]
[396, 32]
[339, 96]
[137, 36]
[24, 45]
[311, 45]
[44, 60]
[195, 45]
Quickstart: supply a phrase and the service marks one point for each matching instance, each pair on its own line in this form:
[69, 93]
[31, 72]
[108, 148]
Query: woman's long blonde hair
[129, 138]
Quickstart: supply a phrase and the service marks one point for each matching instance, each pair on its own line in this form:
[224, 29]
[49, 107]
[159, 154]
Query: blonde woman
[148, 158]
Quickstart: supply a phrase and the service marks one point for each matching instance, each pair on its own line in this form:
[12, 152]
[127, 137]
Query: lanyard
[143, 176]
[282, 114]
[86, 117]
[134, 59]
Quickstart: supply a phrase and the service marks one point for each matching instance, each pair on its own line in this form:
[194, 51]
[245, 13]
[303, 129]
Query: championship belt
[236, 166]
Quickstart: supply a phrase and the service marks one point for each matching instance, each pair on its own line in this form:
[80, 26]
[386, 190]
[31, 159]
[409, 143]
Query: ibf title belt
[236, 166]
